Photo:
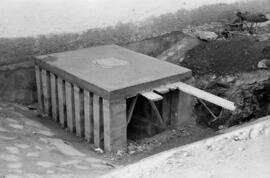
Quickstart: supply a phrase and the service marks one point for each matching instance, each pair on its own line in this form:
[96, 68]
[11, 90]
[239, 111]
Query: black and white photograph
[134, 88]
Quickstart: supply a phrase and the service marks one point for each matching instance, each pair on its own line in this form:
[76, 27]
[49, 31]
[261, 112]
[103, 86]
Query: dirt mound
[221, 57]
[177, 52]
[157, 45]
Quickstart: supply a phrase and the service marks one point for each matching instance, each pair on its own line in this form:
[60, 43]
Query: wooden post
[88, 116]
[97, 117]
[54, 97]
[46, 92]
[78, 102]
[61, 102]
[70, 107]
[115, 125]
[39, 89]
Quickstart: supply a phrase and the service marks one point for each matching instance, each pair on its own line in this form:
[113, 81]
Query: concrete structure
[94, 91]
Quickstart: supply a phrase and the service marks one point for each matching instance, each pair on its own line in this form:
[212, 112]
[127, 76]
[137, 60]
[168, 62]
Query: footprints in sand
[16, 126]
[45, 164]
[9, 158]
[16, 165]
[22, 146]
[29, 149]
[33, 154]
[12, 150]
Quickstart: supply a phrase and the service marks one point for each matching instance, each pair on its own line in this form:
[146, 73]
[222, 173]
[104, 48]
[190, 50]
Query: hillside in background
[21, 49]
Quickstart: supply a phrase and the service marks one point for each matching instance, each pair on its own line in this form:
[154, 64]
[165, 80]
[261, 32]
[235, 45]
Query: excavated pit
[143, 123]
[252, 102]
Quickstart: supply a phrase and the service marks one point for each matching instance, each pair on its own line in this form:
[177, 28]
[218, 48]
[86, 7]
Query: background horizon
[20, 18]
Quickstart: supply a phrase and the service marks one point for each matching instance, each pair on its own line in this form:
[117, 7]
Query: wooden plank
[70, 107]
[54, 97]
[115, 125]
[97, 117]
[162, 90]
[152, 96]
[46, 92]
[88, 116]
[39, 89]
[131, 109]
[79, 120]
[61, 102]
[206, 96]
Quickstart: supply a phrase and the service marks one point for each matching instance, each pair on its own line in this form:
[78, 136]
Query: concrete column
[39, 89]
[182, 106]
[115, 125]
[54, 97]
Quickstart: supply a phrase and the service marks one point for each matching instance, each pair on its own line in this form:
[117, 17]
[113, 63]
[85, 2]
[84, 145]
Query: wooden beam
[157, 113]
[131, 109]
[162, 89]
[152, 96]
[206, 96]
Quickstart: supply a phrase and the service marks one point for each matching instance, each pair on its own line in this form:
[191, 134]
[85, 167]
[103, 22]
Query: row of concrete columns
[100, 121]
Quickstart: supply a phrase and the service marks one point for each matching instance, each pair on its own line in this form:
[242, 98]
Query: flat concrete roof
[111, 70]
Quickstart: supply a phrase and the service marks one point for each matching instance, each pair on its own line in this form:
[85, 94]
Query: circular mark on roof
[110, 62]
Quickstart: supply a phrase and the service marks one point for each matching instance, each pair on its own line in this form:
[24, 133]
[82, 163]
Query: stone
[205, 35]
[264, 64]
[99, 150]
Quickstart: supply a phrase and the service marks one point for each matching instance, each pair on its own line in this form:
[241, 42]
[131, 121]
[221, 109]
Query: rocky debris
[205, 35]
[211, 27]
[264, 64]
[156, 45]
[249, 91]
[99, 150]
[263, 37]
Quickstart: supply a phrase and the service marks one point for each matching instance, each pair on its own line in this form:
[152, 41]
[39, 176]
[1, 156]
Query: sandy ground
[247, 159]
[242, 152]
[35, 147]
